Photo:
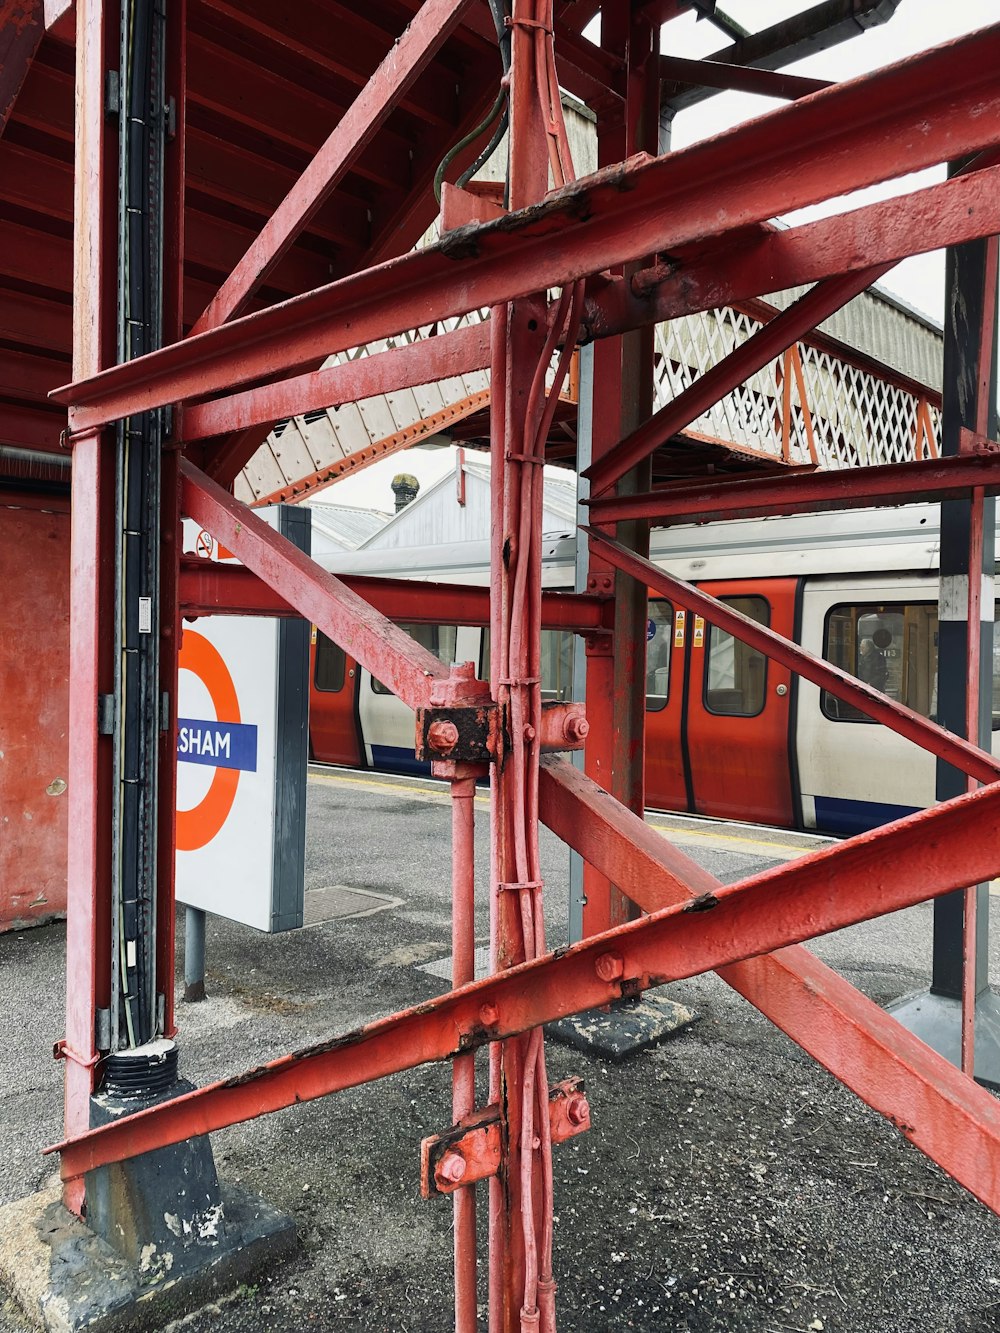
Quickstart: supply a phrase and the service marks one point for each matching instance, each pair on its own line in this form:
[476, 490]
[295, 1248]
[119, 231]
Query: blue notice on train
[221, 744]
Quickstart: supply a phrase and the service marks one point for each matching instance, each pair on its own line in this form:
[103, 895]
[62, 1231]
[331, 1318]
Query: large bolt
[452, 1167]
[577, 1109]
[610, 966]
[488, 1015]
[442, 737]
[575, 728]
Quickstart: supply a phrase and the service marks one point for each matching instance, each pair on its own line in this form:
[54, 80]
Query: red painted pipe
[463, 1094]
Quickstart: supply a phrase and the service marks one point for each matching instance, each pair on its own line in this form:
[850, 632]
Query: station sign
[242, 751]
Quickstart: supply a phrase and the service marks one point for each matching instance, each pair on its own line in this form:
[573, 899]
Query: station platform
[727, 1182]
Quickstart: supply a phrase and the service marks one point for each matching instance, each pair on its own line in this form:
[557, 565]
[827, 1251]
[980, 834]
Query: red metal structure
[646, 237]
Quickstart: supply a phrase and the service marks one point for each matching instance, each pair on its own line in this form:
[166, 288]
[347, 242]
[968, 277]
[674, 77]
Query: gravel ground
[727, 1182]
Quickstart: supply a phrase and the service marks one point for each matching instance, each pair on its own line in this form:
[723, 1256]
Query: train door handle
[350, 672]
[781, 690]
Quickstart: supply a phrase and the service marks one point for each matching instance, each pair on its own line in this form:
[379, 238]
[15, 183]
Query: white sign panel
[228, 756]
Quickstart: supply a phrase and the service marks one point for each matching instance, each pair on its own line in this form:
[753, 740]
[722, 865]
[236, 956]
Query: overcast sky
[916, 25]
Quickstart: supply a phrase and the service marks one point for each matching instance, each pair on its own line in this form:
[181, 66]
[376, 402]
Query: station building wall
[34, 716]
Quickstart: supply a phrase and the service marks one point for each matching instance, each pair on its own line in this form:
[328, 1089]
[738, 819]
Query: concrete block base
[65, 1278]
[937, 1020]
[626, 1027]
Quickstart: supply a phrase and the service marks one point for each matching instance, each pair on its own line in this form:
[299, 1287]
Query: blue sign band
[219, 744]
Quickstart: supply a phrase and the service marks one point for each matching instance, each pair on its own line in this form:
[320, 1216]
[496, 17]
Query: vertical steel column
[965, 622]
[623, 399]
[88, 928]
[520, 1218]
[463, 1094]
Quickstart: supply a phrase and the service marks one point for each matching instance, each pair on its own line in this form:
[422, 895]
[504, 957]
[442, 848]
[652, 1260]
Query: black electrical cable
[500, 10]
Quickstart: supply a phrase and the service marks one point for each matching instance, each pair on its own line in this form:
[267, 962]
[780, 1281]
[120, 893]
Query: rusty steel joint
[470, 1151]
[466, 733]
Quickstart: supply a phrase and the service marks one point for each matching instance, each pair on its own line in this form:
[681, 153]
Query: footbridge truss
[178, 373]
[819, 402]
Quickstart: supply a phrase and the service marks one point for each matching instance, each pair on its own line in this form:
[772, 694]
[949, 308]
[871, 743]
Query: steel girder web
[934, 107]
[707, 927]
[885, 486]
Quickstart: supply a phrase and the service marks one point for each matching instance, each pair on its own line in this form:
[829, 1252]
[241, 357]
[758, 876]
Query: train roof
[846, 542]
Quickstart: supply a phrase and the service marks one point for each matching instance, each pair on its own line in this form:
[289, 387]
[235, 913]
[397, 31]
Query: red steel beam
[407, 668]
[88, 933]
[892, 867]
[422, 362]
[769, 259]
[353, 134]
[743, 361]
[211, 589]
[22, 27]
[927, 1098]
[804, 493]
[775, 337]
[960, 753]
[940, 105]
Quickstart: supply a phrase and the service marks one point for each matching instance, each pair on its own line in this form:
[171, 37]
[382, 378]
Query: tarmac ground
[727, 1183]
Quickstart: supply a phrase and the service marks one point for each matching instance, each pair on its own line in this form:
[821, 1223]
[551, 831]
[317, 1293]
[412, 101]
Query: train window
[557, 663]
[441, 640]
[893, 647]
[659, 634]
[328, 673]
[736, 674]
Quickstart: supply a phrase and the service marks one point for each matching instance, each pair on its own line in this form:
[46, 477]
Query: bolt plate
[477, 1140]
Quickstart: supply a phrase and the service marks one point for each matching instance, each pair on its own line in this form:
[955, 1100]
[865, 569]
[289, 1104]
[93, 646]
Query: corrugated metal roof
[436, 516]
[345, 525]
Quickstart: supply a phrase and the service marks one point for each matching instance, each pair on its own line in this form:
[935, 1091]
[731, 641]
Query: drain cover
[339, 902]
[441, 967]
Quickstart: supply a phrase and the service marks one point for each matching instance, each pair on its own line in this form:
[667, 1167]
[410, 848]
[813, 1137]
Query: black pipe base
[937, 1019]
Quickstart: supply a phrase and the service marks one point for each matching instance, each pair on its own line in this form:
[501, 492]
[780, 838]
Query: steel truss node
[646, 238]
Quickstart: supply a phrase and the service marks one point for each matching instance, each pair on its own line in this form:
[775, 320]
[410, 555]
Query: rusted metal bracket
[969, 442]
[470, 1150]
[474, 733]
[466, 734]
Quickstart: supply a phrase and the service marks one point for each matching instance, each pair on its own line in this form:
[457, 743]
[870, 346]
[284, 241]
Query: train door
[666, 644]
[333, 721]
[387, 724]
[739, 710]
[854, 773]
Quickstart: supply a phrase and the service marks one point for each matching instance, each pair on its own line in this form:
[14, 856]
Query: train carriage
[728, 733]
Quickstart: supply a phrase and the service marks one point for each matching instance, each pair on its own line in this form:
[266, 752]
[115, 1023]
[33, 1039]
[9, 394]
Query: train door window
[331, 664]
[659, 636]
[735, 673]
[557, 664]
[441, 640]
[892, 647]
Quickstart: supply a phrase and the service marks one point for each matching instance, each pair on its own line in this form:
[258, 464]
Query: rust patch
[703, 903]
[462, 243]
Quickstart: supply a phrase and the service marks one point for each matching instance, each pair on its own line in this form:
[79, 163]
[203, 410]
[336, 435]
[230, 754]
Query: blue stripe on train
[834, 814]
[396, 759]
